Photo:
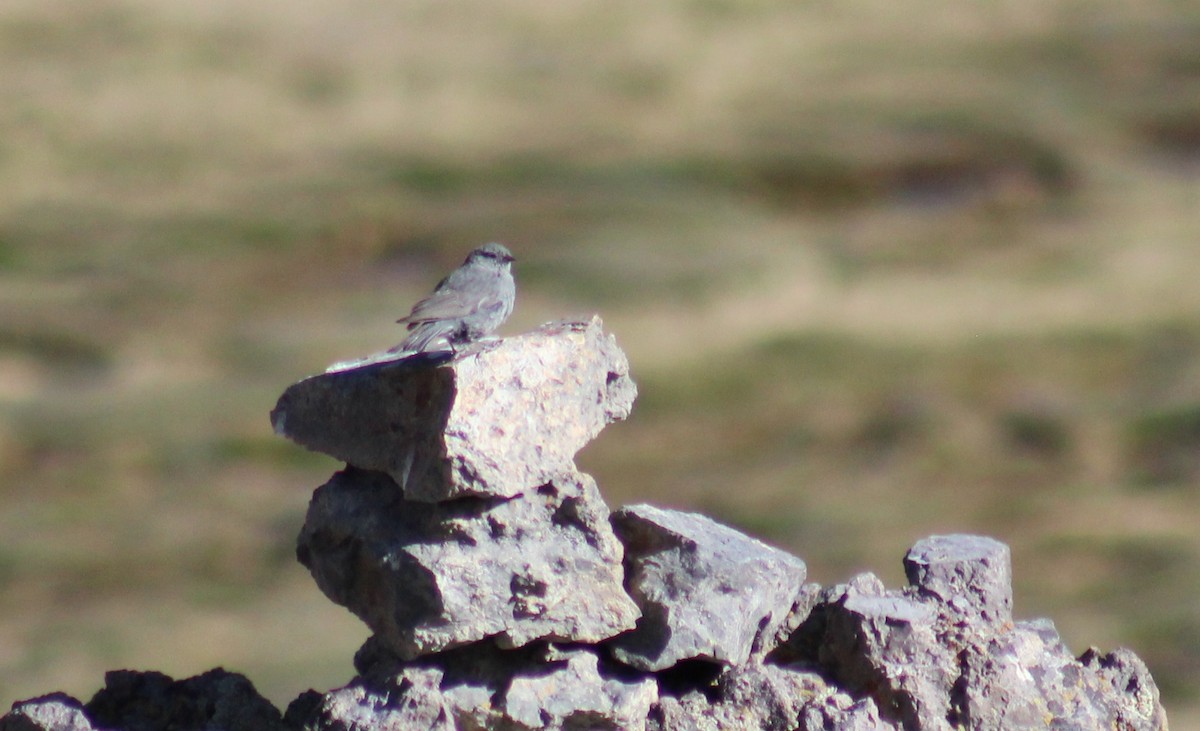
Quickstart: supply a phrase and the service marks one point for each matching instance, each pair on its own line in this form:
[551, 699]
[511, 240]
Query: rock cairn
[502, 594]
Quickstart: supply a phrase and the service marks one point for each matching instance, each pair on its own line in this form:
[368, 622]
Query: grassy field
[882, 270]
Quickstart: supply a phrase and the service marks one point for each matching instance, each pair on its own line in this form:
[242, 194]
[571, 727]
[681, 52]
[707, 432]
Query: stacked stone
[502, 594]
[488, 567]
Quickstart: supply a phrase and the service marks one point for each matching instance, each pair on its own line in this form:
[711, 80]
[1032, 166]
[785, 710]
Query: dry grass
[881, 270]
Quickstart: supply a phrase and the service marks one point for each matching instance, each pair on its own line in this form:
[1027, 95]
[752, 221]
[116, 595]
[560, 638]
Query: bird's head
[491, 253]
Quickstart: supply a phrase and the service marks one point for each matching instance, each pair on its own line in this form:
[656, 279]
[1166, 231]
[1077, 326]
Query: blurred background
[883, 270]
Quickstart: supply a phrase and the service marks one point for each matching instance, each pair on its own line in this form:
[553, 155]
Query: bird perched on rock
[467, 305]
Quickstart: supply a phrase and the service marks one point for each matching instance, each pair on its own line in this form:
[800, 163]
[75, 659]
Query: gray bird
[467, 305]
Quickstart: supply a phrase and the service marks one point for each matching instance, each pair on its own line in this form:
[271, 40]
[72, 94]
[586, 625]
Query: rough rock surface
[769, 697]
[1096, 691]
[885, 645]
[54, 712]
[498, 588]
[864, 658]
[498, 420]
[971, 575]
[216, 699]
[485, 688]
[149, 701]
[942, 660]
[430, 576]
[705, 590]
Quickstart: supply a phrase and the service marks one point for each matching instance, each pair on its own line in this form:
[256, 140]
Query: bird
[469, 304]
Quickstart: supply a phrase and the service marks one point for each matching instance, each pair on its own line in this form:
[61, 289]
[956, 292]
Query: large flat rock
[498, 419]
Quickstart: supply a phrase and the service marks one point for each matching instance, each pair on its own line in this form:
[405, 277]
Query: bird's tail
[419, 340]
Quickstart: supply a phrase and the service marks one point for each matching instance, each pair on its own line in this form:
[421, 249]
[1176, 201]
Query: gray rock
[971, 576]
[1131, 693]
[430, 576]
[751, 696]
[804, 643]
[417, 706]
[706, 591]
[886, 647]
[1000, 691]
[484, 687]
[575, 694]
[498, 420]
[840, 712]
[141, 701]
[1025, 677]
[54, 712]
[768, 697]
[778, 648]
[932, 656]
[944, 653]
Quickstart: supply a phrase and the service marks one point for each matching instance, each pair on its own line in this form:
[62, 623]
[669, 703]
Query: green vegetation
[883, 270]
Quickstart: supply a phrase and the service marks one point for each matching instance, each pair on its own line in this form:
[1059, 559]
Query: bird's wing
[443, 304]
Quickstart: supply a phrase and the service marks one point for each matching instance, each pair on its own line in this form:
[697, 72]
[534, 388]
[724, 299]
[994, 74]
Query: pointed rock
[706, 591]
